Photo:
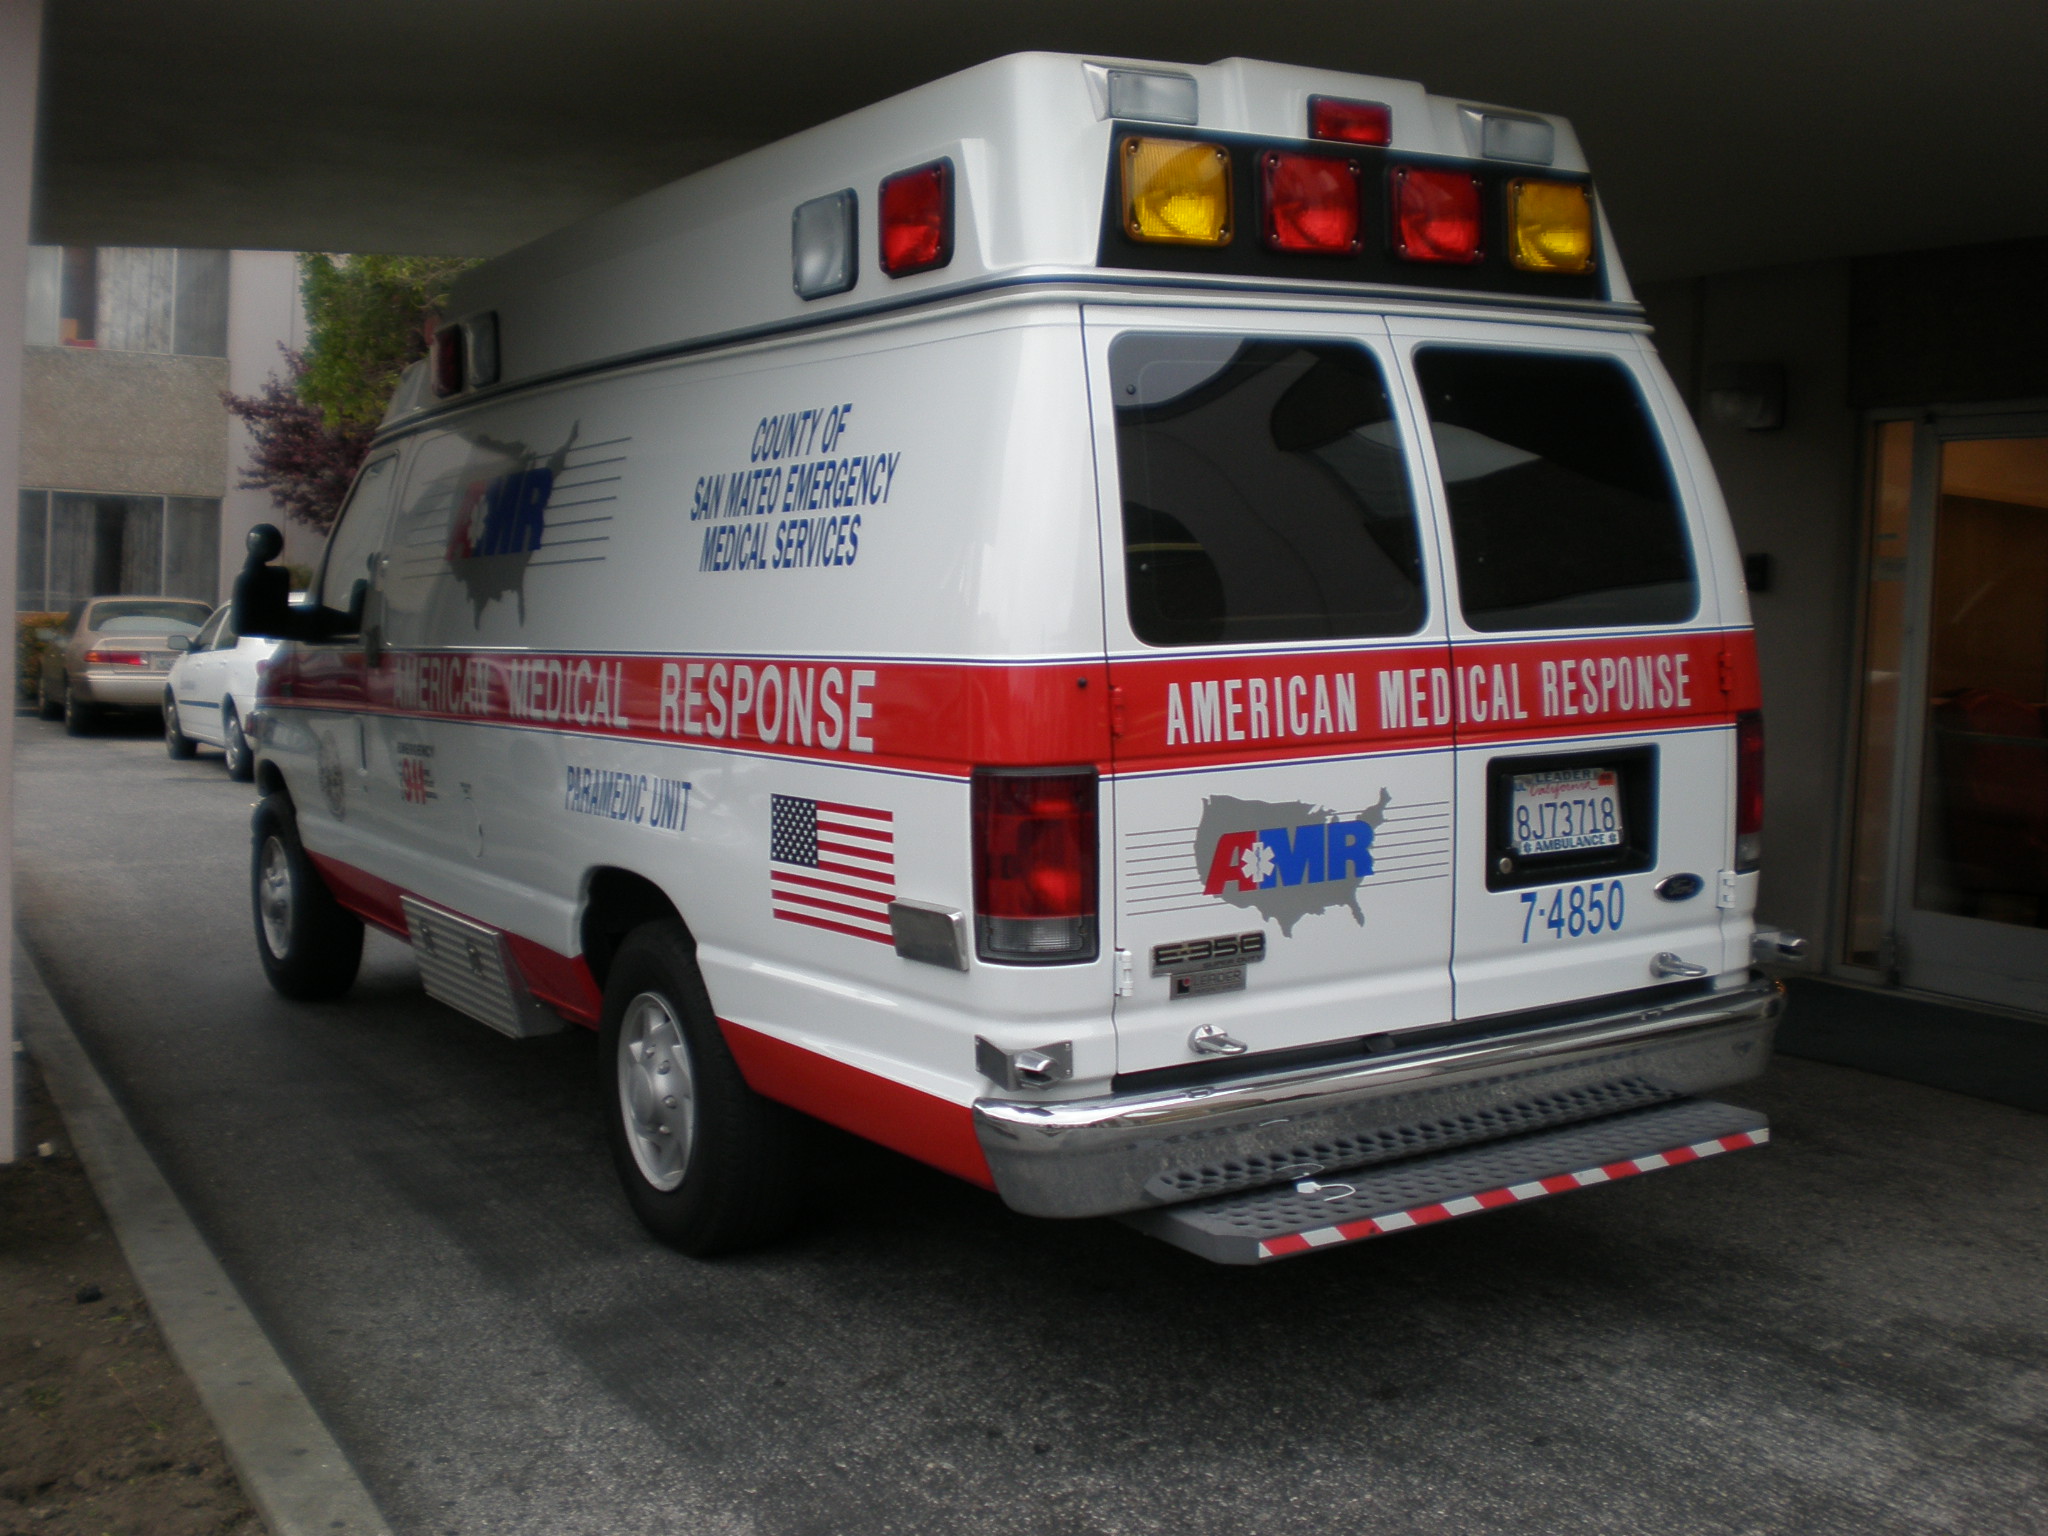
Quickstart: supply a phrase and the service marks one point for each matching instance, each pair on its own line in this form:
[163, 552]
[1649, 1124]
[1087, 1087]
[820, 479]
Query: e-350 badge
[1201, 967]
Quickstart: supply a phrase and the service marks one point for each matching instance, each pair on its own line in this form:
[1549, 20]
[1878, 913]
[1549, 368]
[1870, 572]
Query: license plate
[162, 662]
[1565, 810]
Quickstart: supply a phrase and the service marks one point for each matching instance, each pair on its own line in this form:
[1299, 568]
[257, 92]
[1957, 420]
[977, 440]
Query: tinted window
[144, 616]
[1265, 494]
[1563, 511]
[353, 548]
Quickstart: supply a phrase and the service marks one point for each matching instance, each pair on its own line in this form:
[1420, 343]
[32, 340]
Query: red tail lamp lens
[99, 657]
[917, 219]
[1749, 789]
[1350, 122]
[1311, 203]
[1034, 866]
[1436, 215]
[448, 360]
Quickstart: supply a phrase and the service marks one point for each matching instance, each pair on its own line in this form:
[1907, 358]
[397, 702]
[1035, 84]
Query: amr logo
[500, 521]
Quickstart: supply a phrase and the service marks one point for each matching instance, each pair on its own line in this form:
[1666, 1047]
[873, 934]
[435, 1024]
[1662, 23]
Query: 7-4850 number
[1573, 911]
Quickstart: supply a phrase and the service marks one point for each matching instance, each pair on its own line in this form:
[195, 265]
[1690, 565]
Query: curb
[291, 1468]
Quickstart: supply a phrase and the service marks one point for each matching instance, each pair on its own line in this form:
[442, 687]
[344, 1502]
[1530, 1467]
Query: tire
[49, 706]
[180, 746]
[241, 758]
[309, 944]
[714, 1168]
[80, 718]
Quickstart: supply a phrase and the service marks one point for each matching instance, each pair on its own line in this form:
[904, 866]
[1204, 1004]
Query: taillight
[1034, 866]
[917, 219]
[1311, 203]
[99, 656]
[1436, 215]
[1749, 789]
[1350, 122]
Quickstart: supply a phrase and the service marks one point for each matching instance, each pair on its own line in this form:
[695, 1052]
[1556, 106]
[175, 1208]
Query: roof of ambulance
[708, 258]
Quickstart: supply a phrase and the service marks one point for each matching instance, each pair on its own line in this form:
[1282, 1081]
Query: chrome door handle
[1668, 964]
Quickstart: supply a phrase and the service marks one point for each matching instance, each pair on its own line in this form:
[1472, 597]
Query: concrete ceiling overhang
[1724, 133]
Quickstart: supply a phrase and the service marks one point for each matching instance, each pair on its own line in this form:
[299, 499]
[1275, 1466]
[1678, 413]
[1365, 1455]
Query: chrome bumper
[1096, 1157]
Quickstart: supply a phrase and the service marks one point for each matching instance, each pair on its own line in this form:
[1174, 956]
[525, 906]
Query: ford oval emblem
[1680, 887]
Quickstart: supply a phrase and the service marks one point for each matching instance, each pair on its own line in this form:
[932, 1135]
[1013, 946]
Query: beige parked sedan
[113, 653]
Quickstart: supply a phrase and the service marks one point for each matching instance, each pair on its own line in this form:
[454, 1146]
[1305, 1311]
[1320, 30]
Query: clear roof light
[824, 245]
[1146, 96]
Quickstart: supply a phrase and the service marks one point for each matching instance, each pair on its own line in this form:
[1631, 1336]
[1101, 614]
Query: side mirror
[178, 643]
[263, 592]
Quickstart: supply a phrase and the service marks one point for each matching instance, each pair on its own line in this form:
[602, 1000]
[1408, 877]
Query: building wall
[1793, 496]
[101, 420]
[265, 315]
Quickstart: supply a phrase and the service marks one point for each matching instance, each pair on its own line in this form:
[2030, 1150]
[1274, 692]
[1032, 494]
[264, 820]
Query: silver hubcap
[171, 718]
[274, 897]
[657, 1097]
[235, 743]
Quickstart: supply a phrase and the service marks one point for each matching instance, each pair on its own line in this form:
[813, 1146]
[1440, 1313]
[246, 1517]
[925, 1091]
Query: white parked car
[211, 690]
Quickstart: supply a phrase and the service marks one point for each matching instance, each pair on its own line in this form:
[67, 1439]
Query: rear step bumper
[1286, 1219]
[1131, 1152]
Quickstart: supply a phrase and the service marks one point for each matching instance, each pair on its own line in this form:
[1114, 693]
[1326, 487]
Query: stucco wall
[123, 421]
[1792, 493]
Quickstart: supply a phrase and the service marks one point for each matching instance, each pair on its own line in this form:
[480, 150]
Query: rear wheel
[708, 1164]
[176, 742]
[241, 760]
[310, 945]
[80, 718]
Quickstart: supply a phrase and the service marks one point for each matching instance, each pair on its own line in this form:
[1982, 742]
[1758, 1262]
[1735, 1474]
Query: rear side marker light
[1436, 215]
[824, 241]
[1310, 203]
[917, 219]
[1176, 191]
[448, 360]
[1035, 866]
[1749, 790]
[1350, 122]
[1550, 226]
[105, 658]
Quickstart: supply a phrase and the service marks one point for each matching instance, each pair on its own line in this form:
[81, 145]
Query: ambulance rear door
[1278, 853]
[1591, 670]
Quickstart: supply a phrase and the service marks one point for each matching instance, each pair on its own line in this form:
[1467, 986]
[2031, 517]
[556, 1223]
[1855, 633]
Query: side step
[1285, 1219]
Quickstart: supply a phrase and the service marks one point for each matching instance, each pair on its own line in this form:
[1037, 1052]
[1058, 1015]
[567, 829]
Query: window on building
[129, 299]
[72, 545]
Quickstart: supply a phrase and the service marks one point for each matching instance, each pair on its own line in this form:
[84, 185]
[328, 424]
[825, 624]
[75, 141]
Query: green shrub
[30, 649]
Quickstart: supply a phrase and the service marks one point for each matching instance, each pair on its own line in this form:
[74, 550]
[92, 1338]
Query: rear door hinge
[1727, 673]
[1724, 896]
[1116, 710]
[1125, 984]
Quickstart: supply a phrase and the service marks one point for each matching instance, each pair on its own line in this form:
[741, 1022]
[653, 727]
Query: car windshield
[146, 616]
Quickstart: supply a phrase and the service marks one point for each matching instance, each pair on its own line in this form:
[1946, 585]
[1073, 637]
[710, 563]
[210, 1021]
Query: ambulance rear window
[1265, 494]
[1563, 511]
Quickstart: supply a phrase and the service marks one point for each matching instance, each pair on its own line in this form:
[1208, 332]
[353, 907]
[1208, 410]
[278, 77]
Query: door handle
[1667, 964]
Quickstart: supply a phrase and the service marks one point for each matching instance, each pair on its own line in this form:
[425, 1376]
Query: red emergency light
[1350, 122]
[447, 364]
[1436, 215]
[1311, 203]
[917, 219]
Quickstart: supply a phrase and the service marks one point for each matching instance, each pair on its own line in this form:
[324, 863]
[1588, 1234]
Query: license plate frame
[1508, 867]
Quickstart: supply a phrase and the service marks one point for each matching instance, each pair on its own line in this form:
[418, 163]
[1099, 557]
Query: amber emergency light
[1176, 191]
[1550, 226]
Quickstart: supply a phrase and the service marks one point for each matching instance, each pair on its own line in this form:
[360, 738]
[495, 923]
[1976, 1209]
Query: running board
[1285, 1219]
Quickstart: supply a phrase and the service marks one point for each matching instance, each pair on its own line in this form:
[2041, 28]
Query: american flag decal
[832, 866]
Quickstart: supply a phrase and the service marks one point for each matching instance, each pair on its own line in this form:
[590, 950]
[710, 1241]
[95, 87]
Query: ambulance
[1153, 637]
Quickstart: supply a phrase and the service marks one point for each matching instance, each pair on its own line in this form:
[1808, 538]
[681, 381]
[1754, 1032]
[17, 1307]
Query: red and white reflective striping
[1512, 1194]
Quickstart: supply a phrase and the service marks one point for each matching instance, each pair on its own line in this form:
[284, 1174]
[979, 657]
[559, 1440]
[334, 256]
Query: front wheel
[241, 760]
[309, 944]
[708, 1164]
[176, 742]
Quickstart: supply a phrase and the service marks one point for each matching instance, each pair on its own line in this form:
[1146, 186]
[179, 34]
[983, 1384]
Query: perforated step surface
[1285, 1219]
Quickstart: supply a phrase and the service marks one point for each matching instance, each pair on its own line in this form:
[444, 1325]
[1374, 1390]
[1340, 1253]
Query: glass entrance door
[1963, 617]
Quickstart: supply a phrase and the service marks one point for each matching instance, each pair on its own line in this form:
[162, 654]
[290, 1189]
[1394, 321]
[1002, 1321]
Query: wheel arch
[270, 779]
[615, 902]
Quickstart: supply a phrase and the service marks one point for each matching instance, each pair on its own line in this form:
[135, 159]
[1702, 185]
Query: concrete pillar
[264, 313]
[21, 28]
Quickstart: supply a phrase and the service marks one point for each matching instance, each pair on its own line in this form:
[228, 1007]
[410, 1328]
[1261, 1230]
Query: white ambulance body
[1154, 637]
